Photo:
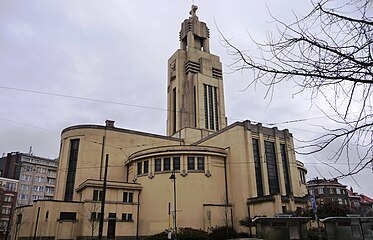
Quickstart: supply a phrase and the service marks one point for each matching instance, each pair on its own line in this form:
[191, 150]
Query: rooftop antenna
[30, 151]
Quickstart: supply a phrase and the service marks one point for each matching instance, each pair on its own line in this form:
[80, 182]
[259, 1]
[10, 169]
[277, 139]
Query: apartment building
[36, 175]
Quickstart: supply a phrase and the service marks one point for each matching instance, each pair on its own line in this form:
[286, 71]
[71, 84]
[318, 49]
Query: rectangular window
[274, 186]
[146, 167]
[19, 219]
[128, 197]
[25, 187]
[51, 181]
[258, 169]
[38, 188]
[191, 163]
[127, 217]
[97, 195]
[125, 196]
[139, 168]
[112, 216]
[201, 163]
[70, 180]
[158, 165]
[321, 191]
[176, 163]
[68, 216]
[285, 168]
[166, 164]
[94, 216]
[26, 177]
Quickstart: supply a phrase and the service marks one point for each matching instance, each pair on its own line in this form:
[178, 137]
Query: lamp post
[173, 177]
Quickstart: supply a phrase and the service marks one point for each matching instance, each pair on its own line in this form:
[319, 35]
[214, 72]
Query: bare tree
[328, 54]
[90, 214]
[21, 215]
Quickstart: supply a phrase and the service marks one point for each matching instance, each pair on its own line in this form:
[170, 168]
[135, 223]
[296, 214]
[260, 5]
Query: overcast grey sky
[117, 51]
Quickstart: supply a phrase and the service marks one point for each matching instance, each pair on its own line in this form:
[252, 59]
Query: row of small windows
[22, 196]
[171, 163]
[327, 190]
[95, 216]
[126, 217]
[98, 194]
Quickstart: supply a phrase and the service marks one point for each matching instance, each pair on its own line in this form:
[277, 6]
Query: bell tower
[195, 95]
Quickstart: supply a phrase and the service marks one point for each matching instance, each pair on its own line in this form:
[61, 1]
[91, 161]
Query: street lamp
[173, 177]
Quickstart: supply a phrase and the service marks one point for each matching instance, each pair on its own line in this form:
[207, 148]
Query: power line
[143, 106]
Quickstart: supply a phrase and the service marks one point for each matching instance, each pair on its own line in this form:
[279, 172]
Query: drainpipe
[137, 218]
[36, 224]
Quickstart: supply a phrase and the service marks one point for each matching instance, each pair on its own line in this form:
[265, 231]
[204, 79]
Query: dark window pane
[130, 197]
[70, 180]
[258, 170]
[174, 110]
[67, 215]
[139, 168]
[216, 108]
[205, 105]
[271, 167]
[176, 163]
[201, 163]
[211, 109]
[95, 195]
[285, 168]
[129, 217]
[158, 165]
[93, 216]
[125, 196]
[146, 167]
[166, 164]
[191, 165]
[112, 215]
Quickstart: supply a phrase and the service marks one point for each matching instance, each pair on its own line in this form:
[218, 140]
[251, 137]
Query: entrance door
[111, 226]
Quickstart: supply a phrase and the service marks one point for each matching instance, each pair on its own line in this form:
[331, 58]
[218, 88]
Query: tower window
[174, 109]
[211, 107]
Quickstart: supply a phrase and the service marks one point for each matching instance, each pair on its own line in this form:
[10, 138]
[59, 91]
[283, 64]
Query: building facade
[328, 191]
[8, 197]
[219, 174]
[36, 175]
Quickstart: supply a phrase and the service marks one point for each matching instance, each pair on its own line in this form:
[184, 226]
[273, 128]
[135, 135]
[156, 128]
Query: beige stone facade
[223, 173]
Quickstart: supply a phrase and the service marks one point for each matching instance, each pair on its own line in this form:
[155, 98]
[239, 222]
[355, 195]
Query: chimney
[110, 123]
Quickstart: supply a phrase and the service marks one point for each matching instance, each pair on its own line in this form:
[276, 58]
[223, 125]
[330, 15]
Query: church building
[204, 173]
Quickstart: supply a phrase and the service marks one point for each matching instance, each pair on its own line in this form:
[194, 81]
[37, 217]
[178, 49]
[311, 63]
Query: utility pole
[173, 177]
[101, 226]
